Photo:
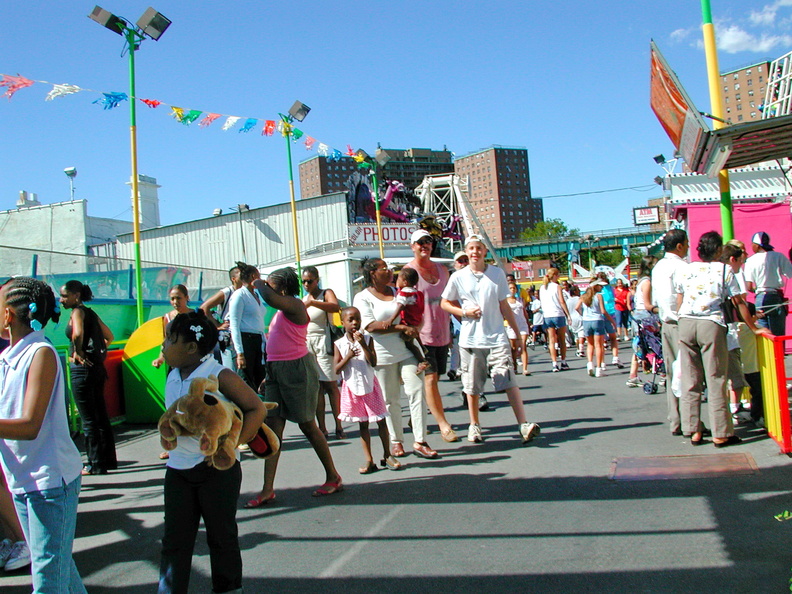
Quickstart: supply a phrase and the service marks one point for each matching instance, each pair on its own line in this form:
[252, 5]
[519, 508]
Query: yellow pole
[716, 102]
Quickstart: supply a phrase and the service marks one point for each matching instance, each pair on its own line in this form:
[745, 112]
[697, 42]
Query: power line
[637, 188]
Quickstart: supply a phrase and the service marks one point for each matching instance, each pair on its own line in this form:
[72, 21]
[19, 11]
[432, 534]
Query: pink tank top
[286, 340]
[436, 330]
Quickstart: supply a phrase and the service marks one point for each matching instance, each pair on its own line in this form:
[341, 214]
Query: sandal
[397, 450]
[368, 469]
[259, 501]
[329, 488]
[449, 435]
[731, 440]
[164, 455]
[340, 434]
[390, 463]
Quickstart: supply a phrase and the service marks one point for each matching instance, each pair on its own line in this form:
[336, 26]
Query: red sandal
[329, 488]
[259, 501]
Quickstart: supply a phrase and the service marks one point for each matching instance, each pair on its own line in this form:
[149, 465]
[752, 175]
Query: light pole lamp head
[71, 172]
[299, 110]
[659, 159]
[107, 19]
[153, 23]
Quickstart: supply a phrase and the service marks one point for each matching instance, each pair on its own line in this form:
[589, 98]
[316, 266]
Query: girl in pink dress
[361, 396]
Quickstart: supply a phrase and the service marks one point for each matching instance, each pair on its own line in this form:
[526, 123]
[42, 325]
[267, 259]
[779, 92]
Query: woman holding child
[377, 305]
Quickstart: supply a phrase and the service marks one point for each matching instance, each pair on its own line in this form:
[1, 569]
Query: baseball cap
[601, 283]
[418, 234]
[471, 238]
[459, 255]
[762, 239]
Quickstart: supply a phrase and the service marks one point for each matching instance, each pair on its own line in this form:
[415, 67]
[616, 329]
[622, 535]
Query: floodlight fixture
[107, 19]
[299, 110]
[659, 159]
[243, 207]
[153, 24]
[658, 180]
[217, 212]
[382, 158]
[71, 172]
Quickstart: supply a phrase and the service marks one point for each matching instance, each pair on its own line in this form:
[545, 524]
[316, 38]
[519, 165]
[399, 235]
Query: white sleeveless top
[551, 304]
[358, 375]
[52, 458]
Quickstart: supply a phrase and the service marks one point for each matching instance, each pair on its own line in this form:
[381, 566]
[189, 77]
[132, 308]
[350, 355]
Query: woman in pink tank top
[292, 380]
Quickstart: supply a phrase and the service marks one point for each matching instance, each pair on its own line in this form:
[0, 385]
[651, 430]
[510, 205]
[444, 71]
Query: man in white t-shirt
[477, 294]
[664, 296]
[764, 275]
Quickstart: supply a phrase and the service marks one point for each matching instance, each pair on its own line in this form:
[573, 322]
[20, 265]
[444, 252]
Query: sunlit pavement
[496, 516]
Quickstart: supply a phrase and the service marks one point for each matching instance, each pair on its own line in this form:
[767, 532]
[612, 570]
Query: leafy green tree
[548, 229]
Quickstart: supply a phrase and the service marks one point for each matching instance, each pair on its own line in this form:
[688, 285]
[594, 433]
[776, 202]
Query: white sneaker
[598, 372]
[634, 382]
[19, 557]
[528, 431]
[590, 369]
[474, 433]
[556, 368]
[617, 363]
[483, 404]
[5, 551]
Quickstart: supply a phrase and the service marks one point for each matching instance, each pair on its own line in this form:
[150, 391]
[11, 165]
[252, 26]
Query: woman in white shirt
[556, 315]
[246, 323]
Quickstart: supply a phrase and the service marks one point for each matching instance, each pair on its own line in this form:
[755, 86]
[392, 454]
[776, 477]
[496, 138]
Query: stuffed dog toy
[216, 422]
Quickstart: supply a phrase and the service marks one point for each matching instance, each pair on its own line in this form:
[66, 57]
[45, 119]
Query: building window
[736, 86]
[750, 82]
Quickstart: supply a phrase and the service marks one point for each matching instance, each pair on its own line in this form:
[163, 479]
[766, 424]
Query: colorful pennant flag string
[61, 91]
[111, 100]
[13, 84]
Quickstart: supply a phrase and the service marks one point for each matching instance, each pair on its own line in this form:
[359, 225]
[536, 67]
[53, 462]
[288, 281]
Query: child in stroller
[648, 348]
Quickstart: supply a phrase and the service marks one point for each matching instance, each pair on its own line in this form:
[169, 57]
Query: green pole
[132, 42]
[377, 207]
[287, 135]
[716, 102]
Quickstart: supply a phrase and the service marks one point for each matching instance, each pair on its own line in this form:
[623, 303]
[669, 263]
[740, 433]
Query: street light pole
[151, 24]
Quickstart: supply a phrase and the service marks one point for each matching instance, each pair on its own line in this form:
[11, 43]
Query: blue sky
[568, 80]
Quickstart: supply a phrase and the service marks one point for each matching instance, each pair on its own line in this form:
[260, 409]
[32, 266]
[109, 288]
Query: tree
[548, 229]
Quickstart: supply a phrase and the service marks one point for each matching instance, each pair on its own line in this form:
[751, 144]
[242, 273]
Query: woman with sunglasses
[322, 304]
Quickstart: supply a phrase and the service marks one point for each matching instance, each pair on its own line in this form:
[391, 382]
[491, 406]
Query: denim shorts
[594, 328]
[555, 322]
[609, 329]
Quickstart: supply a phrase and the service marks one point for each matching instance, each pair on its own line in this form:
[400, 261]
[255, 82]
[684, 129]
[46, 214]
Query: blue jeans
[775, 319]
[48, 519]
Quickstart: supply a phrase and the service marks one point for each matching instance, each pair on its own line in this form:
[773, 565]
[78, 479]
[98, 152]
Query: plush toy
[216, 422]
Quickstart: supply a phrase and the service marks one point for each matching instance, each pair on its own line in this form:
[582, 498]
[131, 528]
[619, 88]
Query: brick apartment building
[744, 92]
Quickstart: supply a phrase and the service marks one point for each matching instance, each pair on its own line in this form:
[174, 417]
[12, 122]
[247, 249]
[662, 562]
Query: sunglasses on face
[308, 281]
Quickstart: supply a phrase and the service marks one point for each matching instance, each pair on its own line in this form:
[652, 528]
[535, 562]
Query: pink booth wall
[774, 219]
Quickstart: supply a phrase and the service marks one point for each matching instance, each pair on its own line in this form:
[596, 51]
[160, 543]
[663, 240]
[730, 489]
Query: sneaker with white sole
[634, 382]
[590, 369]
[598, 372]
[474, 433]
[483, 404]
[564, 366]
[528, 431]
[19, 557]
[556, 369]
[5, 551]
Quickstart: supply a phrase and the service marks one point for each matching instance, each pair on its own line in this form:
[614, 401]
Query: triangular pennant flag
[153, 103]
[230, 122]
[190, 117]
[350, 152]
[177, 113]
[13, 84]
[323, 149]
[208, 119]
[249, 124]
[296, 134]
[335, 155]
[309, 142]
[269, 128]
[111, 100]
[61, 91]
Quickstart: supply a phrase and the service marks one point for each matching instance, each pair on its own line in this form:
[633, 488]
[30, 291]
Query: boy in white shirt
[477, 294]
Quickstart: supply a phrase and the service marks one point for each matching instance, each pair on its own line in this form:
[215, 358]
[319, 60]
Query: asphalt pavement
[491, 517]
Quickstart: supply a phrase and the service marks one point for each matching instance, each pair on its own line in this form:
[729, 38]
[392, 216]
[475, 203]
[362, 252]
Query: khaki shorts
[316, 345]
[477, 364]
[294, 386]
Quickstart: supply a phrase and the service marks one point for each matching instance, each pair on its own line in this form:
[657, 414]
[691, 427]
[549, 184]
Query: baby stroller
[648, 347]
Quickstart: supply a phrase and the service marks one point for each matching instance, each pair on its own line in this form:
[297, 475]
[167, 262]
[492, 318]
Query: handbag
[332, 333]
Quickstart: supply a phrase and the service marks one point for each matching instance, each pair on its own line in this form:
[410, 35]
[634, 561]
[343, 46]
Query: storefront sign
[392, 234]
[646, 216]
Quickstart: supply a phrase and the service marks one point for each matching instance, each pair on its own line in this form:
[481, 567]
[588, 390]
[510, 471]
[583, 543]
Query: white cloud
[680, 35]
[733, 39]
[767, 15]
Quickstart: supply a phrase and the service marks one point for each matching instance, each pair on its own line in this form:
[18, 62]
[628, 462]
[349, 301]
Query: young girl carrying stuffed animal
[193, 488]
[361, 396]
[40, 462]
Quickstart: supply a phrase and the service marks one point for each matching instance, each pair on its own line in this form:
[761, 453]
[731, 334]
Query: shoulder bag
[332, 332]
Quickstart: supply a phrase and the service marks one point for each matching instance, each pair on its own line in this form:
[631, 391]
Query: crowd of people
[399, 336]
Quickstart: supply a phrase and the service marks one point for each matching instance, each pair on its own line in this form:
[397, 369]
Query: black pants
[211, 494]
[87, 383]
[253, 349]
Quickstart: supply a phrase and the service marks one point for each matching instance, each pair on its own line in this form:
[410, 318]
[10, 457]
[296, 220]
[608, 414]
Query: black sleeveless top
[94, 344]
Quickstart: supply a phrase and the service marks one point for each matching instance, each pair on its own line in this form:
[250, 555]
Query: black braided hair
[32, 301]
[286, 278]
[84, 291]
[185, 324]
[246, 272]
[369, 265]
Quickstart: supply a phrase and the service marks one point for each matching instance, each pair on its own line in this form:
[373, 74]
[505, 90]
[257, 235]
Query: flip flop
[259, 501]
[329, 489]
